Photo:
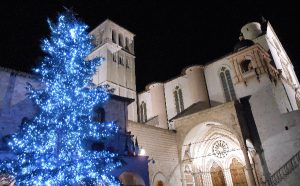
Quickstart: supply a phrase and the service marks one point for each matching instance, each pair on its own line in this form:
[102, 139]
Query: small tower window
[143, 112]
[127, 63]
[114, 36]
[246, 65]
[114, 57]
[127, 43]
[120, 60]
[227, 84]
[178, 98]
[121, 42]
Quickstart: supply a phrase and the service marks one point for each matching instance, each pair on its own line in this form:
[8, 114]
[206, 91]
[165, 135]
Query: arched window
[227, 84]
[114, 36]
[120, 60]
[217, 175]
[178, 98]
[237, 173]
[143, 112]
[246, 65]
[115, 57]
[159, 183]
[131, 178]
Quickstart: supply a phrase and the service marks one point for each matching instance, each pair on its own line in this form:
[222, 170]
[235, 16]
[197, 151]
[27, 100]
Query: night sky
[169, 36]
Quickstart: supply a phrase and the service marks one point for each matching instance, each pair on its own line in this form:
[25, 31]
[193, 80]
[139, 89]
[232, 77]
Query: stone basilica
[233, 121]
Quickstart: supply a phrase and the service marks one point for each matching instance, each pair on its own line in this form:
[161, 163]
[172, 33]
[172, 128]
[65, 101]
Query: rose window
[220, 149]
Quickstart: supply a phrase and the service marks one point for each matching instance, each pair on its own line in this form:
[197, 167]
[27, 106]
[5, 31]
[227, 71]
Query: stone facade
[161, 147]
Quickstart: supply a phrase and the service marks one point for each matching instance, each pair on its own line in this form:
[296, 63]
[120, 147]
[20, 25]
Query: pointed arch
[159, 179]
[237, 173]
[143, 112]
[217, 175]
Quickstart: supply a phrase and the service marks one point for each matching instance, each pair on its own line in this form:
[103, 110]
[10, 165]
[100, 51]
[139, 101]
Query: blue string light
[52, 148]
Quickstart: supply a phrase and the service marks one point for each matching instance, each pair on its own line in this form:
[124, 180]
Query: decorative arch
[227, 84]
[159, 179]
[129, 178]
[199, 143]
[230, 158]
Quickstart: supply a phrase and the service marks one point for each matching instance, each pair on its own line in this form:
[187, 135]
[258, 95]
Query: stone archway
[237, 173]
[209, 148]
[159, 179]
[217, 175]
[131, 179]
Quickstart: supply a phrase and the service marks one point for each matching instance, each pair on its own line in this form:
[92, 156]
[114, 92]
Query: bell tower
[263, 34]
[116, 45]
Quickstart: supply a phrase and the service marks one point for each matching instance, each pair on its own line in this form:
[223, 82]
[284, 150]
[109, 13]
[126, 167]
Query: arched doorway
[131, 179]
[159, 179]
[217, 175]
[237, 173]
[159, 183]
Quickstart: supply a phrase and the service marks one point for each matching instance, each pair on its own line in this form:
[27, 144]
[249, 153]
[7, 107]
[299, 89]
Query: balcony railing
[285, 170]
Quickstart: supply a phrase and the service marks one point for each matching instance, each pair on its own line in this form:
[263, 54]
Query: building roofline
[109, 20]
[20, 73]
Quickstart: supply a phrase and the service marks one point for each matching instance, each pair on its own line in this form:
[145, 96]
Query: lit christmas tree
[54, 148]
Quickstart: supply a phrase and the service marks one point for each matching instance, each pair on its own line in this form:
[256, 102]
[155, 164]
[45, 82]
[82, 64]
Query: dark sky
[169, 35]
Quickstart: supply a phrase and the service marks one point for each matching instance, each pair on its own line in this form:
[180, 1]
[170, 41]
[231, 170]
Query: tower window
[227, 84]
[143, 112]
[114, 36]
[127, 63]
[121, 42]
[114, 57]
[120, 61]
[178, 98]
[127, 43]
[246, 65]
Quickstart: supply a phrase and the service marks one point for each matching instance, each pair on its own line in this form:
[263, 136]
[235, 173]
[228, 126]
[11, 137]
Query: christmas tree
[54, 148]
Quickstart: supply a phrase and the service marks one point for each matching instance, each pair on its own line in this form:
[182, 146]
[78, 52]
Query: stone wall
[14, 103]
[279, 133]
[161, 146]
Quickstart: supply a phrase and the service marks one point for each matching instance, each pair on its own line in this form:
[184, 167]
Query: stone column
[228, 178]
[249, 172]
[207, 179]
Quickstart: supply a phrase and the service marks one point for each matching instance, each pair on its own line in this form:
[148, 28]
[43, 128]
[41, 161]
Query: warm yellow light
[142, 152]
